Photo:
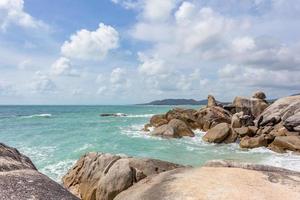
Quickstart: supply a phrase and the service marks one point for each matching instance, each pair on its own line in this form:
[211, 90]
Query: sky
[135, 51]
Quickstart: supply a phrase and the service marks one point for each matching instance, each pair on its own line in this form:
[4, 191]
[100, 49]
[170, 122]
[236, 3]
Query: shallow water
[54, 137]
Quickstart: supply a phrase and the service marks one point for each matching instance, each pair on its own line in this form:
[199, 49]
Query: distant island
[178, 102]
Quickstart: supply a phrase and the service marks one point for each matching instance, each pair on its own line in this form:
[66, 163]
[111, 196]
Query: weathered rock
[284, 143]
[209, 117]
[211, 101]
[252, 106]
[180, 127]
[19, 179]
[244, 131]
[98, 176]
[231, 181]
[253, 142]
[283, 111]
[175, 128]
[232, 137]
[158, 120]
[186, 115]
[259, 95]
[292, 123]
[236, 120]
[218, 133]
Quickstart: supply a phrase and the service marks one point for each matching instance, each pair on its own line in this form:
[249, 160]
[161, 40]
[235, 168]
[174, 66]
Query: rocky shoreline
[100, 176]
[251, 122]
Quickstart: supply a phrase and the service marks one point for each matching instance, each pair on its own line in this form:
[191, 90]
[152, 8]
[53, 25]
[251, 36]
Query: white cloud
[243, 44]
[151, 65]
[91, 45]
[42, 84]
[118, 75]
[12, 12]
[63, 66]
[7, 89]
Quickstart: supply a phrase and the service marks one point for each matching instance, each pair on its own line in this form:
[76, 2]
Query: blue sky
[133, 51]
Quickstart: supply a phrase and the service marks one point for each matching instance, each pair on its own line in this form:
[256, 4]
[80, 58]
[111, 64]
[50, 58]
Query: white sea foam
[84, 147]
[57, 170]
[46, 115]
[140, 116]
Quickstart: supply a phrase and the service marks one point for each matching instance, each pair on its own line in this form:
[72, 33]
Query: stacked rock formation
[250, 121]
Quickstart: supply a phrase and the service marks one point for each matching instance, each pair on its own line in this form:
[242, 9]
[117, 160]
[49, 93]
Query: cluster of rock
[103, 176]
[251, 122]
[19, 179]
[98, 176]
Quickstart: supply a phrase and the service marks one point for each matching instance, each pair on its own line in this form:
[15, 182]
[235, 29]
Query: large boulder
[186, 115]
[285, 110]
[158, 120]
[220, 181]
[19, 179]
[253, 142]
[284, 143]
[175, 128]
[250, 106]
[218, 133]
[99, 176]
[209, 117]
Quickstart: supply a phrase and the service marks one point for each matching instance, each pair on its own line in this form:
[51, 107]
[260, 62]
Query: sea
[55, 137]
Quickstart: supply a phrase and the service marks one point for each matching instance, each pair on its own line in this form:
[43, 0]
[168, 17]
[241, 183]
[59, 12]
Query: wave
[46, 115]
[140, 116]
[57, 170]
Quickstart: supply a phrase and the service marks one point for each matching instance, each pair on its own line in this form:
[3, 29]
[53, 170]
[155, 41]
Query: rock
[181, 129]
[211, 101]
[175, 128]
[253, 142]
[113, 115]
[164, 131]
[185, 115]
[280, 111]
[98, 176]
[158, 120]
[265, 130]
[292, 123]
[251, 182]
[259, 95]
[243, 131]
[252, 106]
[239, 119]
[209, 117]
[217, 134]
[284, 143]
[19, 179]
[232, 137]
[147, 127]
[236, 120]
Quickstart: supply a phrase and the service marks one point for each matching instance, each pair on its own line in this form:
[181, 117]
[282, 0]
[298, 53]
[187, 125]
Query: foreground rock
[218, 180]
[19, 179]
[98, 176]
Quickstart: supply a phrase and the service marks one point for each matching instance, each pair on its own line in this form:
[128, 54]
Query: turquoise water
[54, 137]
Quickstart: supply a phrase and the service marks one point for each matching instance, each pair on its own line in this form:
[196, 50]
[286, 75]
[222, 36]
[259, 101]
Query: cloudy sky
[133, 51]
